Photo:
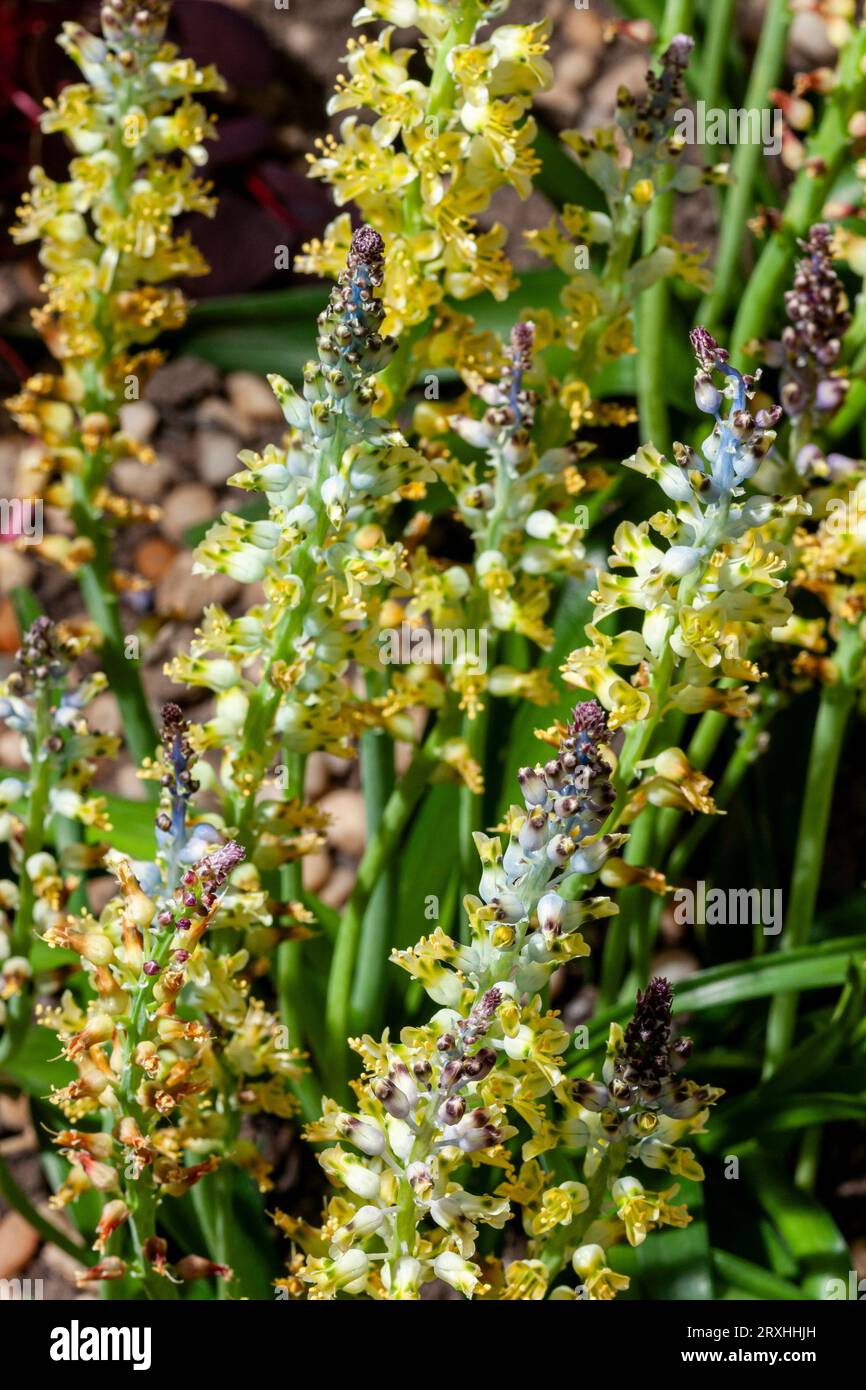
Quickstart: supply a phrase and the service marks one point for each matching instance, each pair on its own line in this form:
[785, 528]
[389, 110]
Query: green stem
[717, 42]
[825, 154]
[626, 931]
[122, 671]
[766, 71]
[380, 849]
[289, 961]
[45, 1229]
[370, 983]
[836, 703]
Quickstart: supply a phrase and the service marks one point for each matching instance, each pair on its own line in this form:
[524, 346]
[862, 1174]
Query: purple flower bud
[393, 1099]
[452, 1110]
[451, 1074]
[480, 1064]
[830, 393]
[533, 786]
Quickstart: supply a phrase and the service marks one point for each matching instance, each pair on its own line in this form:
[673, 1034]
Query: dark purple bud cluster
[817, 309]
[130, 23]
[648, 119]
[177, 778]
[643, 1075]
[521, 402]
[649, 1058]
[39, 660]
[576, 783]
[707, 350]
[195, 899]
[350, 340]
[212, 871]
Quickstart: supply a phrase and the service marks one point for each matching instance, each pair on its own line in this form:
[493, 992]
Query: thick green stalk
[122, 671]
[766, 71]
[717, 42]
[265, 699]
[636, 745]
[837, 702]
[94, 577]
[380, 850]
[475, 733]
[140, 1193]
[625, 929]
[371, 974]
[475, 730]
[290, 981]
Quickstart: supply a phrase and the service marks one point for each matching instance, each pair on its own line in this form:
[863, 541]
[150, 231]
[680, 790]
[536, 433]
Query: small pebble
[217, 455]
[145, 482]
[346, 830]
[182, 594]
[214, 412]
[18, 1244]
[315, 869]
[252, 397]
[139, 419]
[10, 636]
[153, 557]
[186, 506]
[339, 886]
[181, 380]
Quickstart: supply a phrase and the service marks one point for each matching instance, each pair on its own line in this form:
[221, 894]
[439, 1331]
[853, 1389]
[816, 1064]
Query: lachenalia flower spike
[405, 1212]
[712, 583]
[322, 557]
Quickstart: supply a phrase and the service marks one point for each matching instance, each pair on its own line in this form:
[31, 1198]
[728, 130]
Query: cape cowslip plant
[407, 1210]
[710, 588]
[634, 164]
[171, 1051]
[813, 382]
[42, 805]
[638, 1113]
[830, 566]
[707, 589]
[438, 150]
[516, 505]
[322, 556]
[110, 251]
[484, 1115]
